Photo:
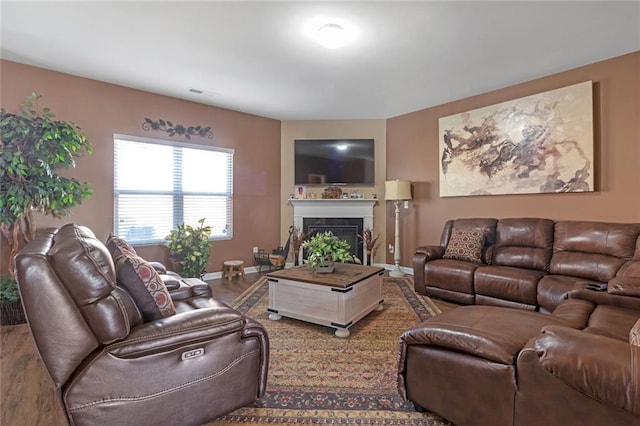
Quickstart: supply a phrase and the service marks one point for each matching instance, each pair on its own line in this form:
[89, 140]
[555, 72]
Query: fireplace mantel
[339, 207]
[333, 208]
[342, 207]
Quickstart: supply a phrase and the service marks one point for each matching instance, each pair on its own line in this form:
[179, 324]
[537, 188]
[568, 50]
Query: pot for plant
[11, 313]
[325, 267]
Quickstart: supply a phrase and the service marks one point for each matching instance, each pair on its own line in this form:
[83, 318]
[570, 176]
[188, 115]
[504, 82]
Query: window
[161, 184]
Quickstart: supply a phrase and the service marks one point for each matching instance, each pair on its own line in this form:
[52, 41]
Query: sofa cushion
[504, 282]
[592, 250]
[625, 286]
[627, 280]
[524, 243]
[145, 286]
[612, 321]
[465, 244]
[493, 333]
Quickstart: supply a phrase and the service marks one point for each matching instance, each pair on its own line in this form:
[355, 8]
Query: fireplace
[344, 217]
[346, 228]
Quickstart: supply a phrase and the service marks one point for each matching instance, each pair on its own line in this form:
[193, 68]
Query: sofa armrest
[575, 312]
[430, 252]
[159, 267]
[602, 368]
[604, 298]
[189, 288]
[421, 256]
[625, 286]
[179, 330]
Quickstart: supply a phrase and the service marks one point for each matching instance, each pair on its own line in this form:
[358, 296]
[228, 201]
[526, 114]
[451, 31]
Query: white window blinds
[161, 184]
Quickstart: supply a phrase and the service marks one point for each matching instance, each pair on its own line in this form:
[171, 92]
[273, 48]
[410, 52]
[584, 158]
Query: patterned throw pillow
[145, 286]
[118, 246]
[634, 335]
[465, 244]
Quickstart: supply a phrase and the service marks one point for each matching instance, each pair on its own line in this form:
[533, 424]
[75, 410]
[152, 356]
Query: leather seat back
[68, 289]
[592, 250]
[524, 243]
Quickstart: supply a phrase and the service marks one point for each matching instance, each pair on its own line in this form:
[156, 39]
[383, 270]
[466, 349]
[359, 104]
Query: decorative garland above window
[178, 129]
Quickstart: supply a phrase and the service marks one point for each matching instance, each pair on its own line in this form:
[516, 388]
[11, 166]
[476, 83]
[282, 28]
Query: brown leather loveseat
[134, 355]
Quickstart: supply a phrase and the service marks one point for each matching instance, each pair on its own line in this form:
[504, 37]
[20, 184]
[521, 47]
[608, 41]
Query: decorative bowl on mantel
[331, 193]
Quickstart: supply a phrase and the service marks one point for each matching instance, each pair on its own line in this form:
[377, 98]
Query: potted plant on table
[33, 147]
[189, 249]
[324, 249]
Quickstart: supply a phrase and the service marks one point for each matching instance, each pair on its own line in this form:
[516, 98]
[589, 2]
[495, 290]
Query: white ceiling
[253, 56]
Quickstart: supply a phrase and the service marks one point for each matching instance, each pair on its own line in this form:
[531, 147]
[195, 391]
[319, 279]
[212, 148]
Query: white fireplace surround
[334, 208]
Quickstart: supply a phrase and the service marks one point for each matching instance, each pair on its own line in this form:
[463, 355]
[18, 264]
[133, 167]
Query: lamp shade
[397, 190]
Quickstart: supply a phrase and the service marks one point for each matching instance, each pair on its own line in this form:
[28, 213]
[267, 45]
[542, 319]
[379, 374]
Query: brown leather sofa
[113, 364]
[526, 263]
[501, 362]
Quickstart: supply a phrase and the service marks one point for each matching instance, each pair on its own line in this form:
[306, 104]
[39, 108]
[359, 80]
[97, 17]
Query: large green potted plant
[34, 148]
[324, 249]
[189, 247]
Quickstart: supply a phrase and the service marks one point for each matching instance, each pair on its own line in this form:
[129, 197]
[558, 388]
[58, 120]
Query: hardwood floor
[27, 395]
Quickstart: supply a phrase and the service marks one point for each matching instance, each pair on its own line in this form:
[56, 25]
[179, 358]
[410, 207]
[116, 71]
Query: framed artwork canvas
[537, 144]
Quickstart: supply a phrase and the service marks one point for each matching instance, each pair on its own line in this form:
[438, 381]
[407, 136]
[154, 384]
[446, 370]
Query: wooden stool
[232, 267]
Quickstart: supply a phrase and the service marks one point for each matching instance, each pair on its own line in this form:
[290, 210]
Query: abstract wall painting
[537, 144]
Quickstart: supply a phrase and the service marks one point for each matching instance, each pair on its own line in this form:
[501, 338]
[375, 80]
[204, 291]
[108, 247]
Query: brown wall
[413, 154]
[102, 109]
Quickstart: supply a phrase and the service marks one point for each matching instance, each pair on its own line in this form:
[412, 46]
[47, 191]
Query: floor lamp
[397, 191]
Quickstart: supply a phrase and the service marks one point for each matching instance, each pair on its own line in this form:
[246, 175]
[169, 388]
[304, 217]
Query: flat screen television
[334, 162]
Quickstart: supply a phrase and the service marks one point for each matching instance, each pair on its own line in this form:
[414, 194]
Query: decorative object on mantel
[323, 249]
[369, 244]
[178, 129]
[332, 192]
[396, 191]
[541, 143]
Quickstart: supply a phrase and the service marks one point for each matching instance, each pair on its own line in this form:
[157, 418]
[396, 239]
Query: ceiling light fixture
[329, 32]
[331, 36]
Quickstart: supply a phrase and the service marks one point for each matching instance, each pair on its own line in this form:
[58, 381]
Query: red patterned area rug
[317, 378]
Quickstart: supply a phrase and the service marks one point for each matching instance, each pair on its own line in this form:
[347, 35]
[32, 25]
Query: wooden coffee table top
[344, 275]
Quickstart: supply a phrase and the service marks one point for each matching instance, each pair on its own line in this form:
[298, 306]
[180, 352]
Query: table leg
[275, 317]
[342, 332]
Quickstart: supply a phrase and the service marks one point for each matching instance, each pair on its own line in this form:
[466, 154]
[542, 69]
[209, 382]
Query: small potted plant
[10, 305]
[189, 247]
[323, 249]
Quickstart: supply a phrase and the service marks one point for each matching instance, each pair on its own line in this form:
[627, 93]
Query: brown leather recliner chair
[109, 365]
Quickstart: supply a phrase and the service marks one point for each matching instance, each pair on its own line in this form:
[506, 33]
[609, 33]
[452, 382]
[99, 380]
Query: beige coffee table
[337, 300]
